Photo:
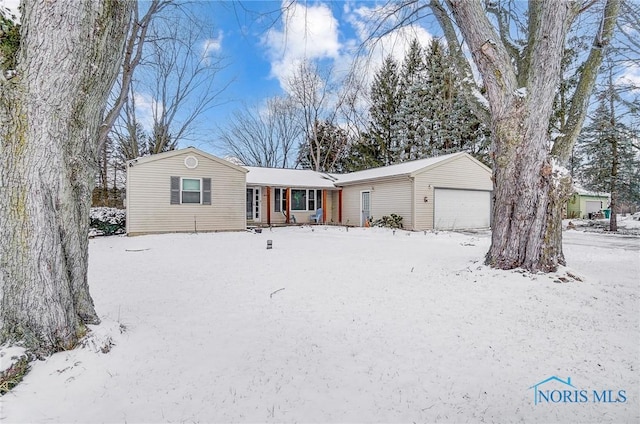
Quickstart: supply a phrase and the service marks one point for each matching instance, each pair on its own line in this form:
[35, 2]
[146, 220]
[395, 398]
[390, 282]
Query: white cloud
[631, 77]
[307, 33]
[211, 46]
[146, 108]
[394, 43]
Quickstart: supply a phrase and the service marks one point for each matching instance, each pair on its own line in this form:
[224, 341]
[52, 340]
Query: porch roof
[279, 177]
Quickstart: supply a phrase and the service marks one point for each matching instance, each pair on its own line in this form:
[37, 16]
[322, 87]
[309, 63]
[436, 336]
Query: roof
[275, 177]
[398, 170]
[172, 153]
[584, 192]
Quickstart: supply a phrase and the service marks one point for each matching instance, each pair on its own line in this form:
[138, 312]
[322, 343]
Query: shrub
[391, 221]
[107, 221]
[10, 377]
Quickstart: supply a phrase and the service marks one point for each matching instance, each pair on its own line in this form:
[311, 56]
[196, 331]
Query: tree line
[413, 109]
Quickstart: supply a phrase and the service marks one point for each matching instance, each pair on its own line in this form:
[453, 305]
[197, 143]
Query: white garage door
[593, 206]
[461, 209]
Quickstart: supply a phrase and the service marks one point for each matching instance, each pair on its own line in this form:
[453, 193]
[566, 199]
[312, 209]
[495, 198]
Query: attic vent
[191, 162]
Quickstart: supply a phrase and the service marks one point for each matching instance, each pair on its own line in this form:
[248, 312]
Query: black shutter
[206, 191]
[175, 191]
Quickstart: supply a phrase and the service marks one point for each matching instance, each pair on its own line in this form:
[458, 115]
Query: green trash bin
[606, 213]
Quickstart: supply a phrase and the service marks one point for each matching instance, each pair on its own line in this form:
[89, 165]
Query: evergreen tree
[611, 162]
[376, 148]
[409, 131]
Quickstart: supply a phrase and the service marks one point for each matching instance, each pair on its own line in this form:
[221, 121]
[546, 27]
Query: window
[315, 199]
[190, 191]
[281, 200]
[298, 200]
[306, 200]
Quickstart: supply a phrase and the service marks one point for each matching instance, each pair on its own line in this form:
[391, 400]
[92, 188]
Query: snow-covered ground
[627, 224]
[335, 326]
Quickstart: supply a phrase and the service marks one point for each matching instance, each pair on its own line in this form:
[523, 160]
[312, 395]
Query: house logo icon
[557, 390]
[542, 395]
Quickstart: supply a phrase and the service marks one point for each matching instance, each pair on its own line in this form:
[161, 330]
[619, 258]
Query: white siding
[387, 197]
[148, 196]
[462, 173]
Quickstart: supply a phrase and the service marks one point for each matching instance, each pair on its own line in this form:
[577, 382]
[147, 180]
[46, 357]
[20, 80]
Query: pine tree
[610, 161]
[409, 131]
[376, 148]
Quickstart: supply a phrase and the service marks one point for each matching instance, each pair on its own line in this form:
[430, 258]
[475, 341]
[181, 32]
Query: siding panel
[387, 197]
[149, 194]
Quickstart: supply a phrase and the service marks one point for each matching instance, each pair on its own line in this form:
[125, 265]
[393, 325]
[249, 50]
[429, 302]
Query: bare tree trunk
[50, 113]
[528, 191]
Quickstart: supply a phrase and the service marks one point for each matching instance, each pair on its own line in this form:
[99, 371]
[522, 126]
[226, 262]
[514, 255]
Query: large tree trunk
[50, 112]
[529, 190]
[527, 204]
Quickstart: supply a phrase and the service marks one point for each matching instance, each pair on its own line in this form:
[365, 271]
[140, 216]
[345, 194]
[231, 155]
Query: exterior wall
[148, 197]
[577, 204]
[302, 217]
[573, 207]
[387, 197]
[460, 173]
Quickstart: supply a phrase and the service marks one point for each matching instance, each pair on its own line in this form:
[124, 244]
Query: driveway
[603, 241]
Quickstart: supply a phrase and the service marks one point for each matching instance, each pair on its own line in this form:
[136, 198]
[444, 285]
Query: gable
[175, 156]
[414, 168]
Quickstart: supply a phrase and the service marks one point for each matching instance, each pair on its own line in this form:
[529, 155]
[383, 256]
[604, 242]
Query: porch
[279, 206]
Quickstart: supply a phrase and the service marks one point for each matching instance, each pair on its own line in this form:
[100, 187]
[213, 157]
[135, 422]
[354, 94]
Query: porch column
[324, 206]
[340, 206]
[268, 206]
[288, 204]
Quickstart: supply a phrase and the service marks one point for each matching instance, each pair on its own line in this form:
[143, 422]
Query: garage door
[461, 209]
[593, 206]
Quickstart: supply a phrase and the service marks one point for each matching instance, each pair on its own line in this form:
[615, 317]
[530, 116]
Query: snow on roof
[584, 192]
[288, 177]
[405, 168]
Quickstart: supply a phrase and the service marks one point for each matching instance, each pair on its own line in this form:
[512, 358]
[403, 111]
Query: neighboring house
[189, 190]
[184, 190]
[584, 203]
[445, 192]
[287, 196]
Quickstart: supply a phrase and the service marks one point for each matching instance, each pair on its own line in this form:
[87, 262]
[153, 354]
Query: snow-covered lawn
[336, 326]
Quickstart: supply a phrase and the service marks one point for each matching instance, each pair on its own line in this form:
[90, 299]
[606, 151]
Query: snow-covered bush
[107, 221]
[391, 221]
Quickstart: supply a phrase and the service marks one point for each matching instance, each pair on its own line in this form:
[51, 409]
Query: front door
[365, 207]
[253, 204]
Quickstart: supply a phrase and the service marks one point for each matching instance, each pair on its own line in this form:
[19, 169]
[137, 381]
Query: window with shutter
[206, 191]
[190, 191]
[175, 191]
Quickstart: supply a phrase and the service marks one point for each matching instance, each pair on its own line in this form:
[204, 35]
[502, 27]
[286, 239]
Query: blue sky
[262, 45]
